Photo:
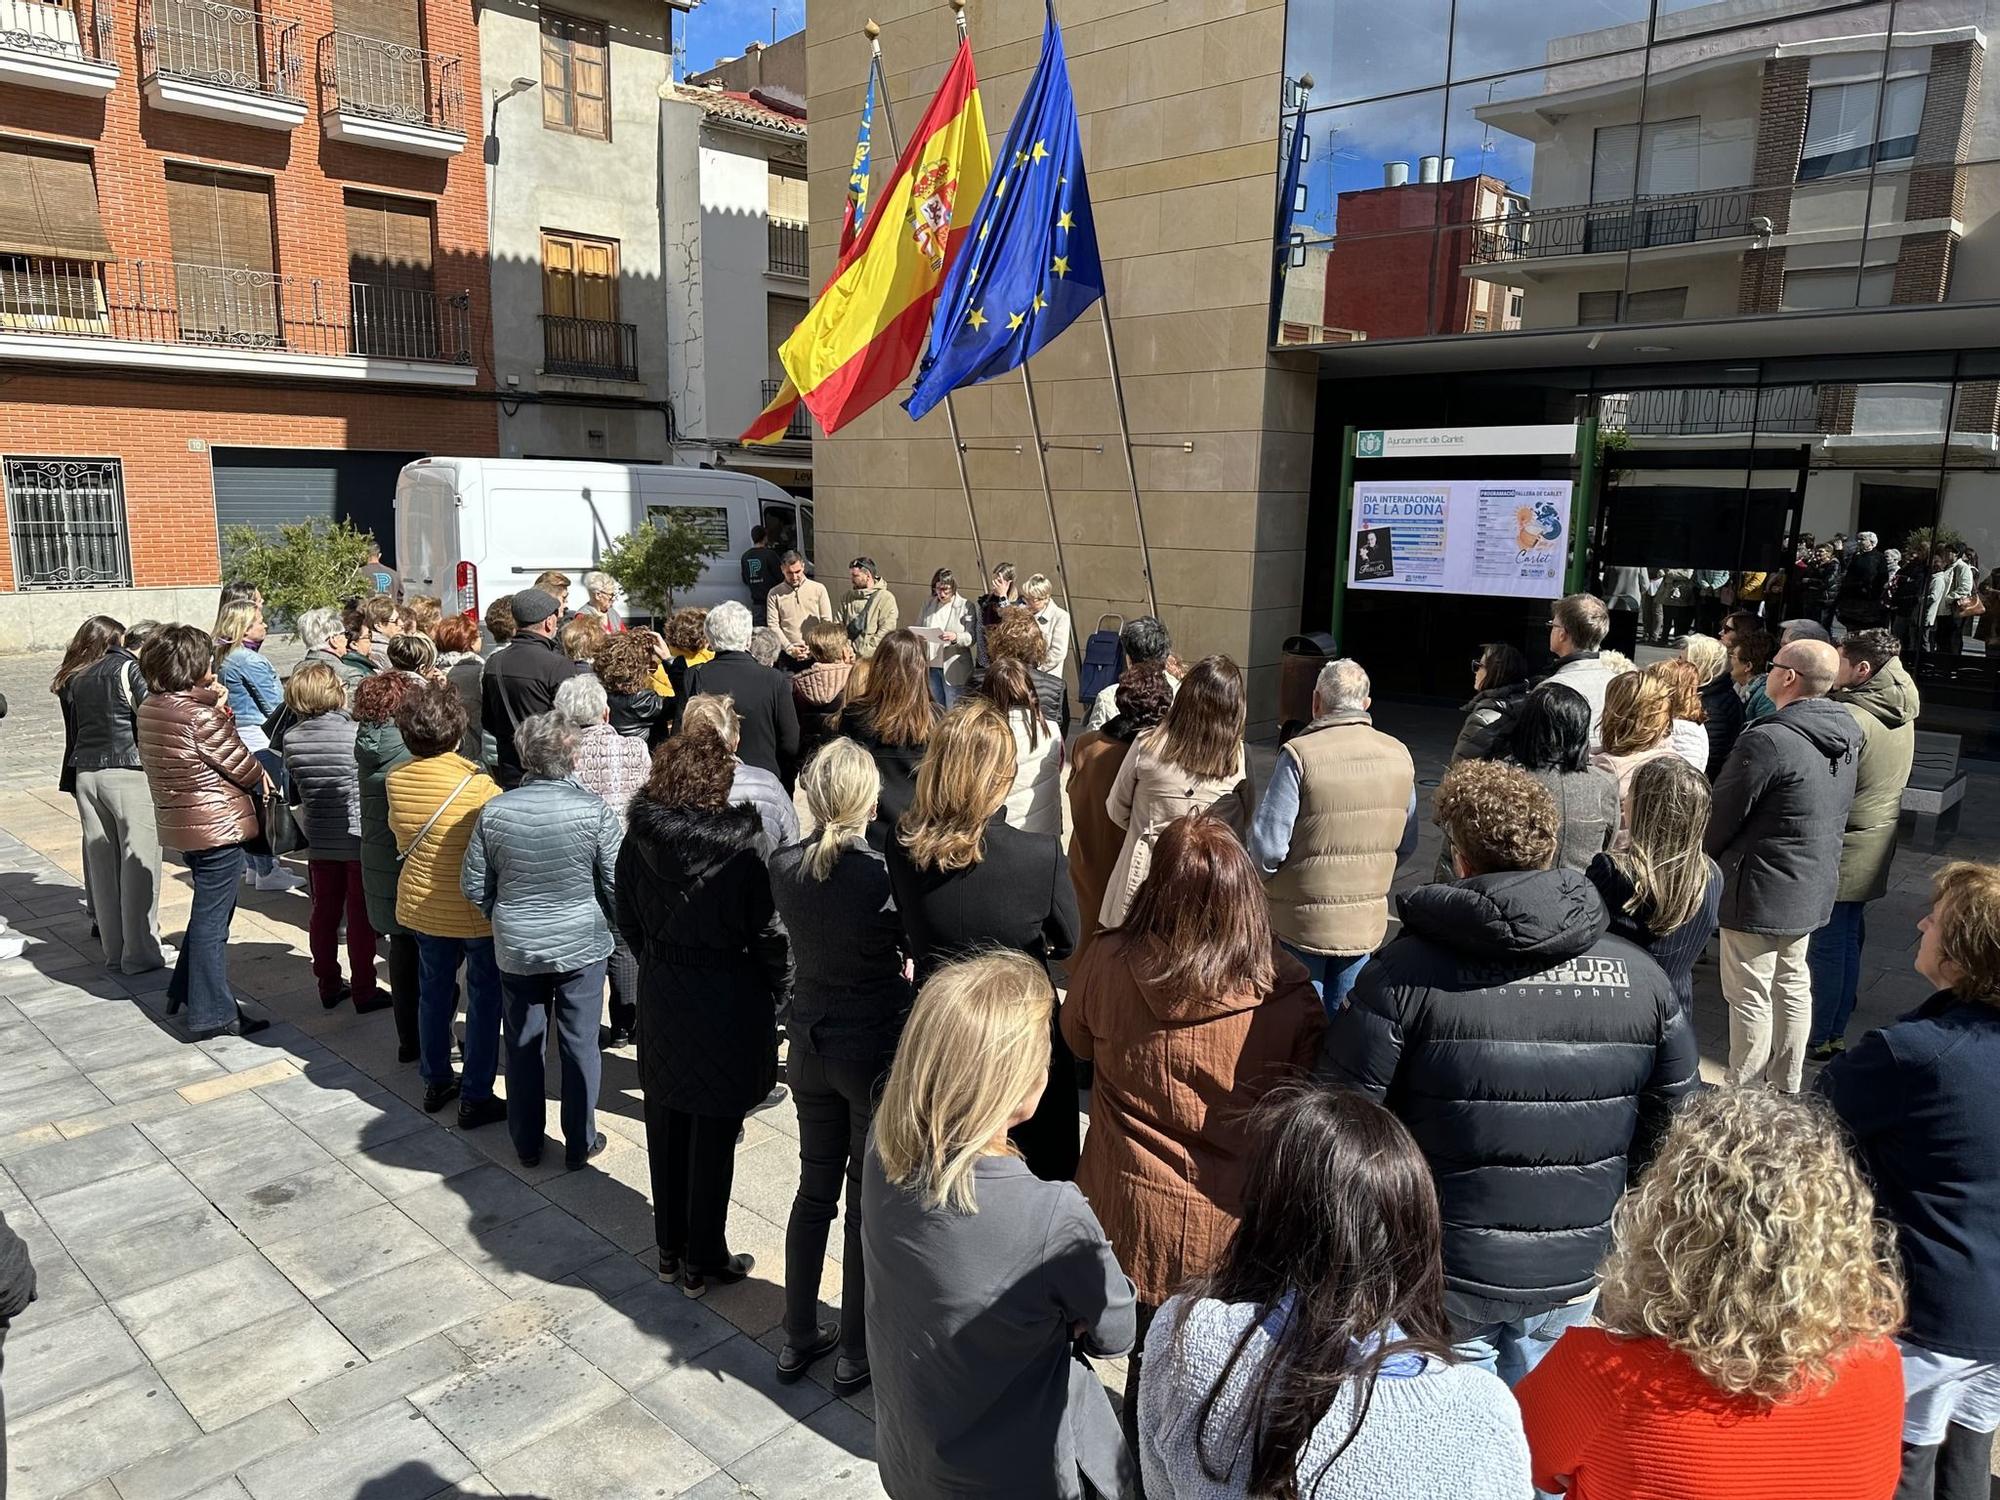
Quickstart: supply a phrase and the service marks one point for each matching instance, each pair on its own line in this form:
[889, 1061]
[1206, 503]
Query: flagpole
[1048, 494]
[874, 35]
[1131, 464]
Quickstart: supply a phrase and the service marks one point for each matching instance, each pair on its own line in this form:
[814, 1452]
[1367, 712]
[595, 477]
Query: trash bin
[1298, 673]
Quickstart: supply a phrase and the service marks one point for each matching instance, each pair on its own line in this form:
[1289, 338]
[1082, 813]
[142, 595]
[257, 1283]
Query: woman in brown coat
[1192, 1013]
[204, 782]
[1094, 840]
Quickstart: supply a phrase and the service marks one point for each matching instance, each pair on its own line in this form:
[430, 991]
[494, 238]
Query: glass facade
[1483, 166]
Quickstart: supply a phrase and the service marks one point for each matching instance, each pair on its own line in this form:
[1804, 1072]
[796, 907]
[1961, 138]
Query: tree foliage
[1927, 539]
[304, 565]
[660, 559]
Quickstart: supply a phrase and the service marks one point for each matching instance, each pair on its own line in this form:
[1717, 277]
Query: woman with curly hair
[1747, 1307]
[629, 668]
[1689, 735]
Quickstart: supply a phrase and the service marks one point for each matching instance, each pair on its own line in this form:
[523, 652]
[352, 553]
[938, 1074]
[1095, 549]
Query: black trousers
[693, 1165]
[836, 1102]
[1959, 1468]
[403, 987]
[624, 969]
[1049, 1139]
[1624, 633]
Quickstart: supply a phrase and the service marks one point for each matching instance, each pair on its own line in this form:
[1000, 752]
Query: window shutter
[1840, 119]
[1614, 164]
[221, 227]
[1670, 158]
[559, 276]
[389, 264]
[1661, 305]
[556, 110]
[48, 204]
[1596, 307]
[575, 75]
[386, 20]
[597, 280]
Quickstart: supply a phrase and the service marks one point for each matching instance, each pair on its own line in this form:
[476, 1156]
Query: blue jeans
[573, 1001]
[1511, 1349]
[1833, 957]
[438, 959]
[1333, 974]
[943, 693]
[201, 974]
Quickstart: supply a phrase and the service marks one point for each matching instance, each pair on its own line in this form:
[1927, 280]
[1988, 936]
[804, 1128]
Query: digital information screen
[1504, 537]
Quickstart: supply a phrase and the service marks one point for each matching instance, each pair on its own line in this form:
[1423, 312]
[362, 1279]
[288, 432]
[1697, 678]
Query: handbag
[277, 830]
[1971, 607]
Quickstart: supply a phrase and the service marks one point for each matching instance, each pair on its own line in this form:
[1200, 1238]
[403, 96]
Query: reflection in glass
[1359, 49]
[1498, 36]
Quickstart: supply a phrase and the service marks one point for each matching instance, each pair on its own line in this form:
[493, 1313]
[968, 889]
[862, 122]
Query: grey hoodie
[1781, 806]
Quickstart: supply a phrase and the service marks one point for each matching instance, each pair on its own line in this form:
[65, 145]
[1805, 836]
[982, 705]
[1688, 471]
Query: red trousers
[335, 888]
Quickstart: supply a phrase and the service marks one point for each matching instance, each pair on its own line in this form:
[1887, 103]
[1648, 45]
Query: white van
[473, 529]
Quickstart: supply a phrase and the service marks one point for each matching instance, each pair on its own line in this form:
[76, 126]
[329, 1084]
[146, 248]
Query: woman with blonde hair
[1192, 763]
[1747, 1306]
[850, 995]
[965, 879]
[255, 696]
[1918, 1098]
[1662, 890]
[983, 1279]
[1638, 717]
[1722, 710]
[1686, 736]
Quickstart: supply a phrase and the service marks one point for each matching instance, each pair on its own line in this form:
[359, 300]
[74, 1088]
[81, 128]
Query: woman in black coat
[694, 906]
[892, 719]
[964, 880]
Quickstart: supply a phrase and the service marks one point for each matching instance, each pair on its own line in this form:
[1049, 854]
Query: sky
[722, 28]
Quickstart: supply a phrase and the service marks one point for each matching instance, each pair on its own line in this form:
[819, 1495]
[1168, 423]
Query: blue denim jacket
[252, 683]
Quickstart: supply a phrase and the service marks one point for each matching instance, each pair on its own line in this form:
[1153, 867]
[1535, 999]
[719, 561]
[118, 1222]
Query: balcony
[1712, 410]
[592, 348]
[222, 62]
[788, 250]
[392, 97]
[800, 428]
[169, 315]
[62, 48]
[1631, 225]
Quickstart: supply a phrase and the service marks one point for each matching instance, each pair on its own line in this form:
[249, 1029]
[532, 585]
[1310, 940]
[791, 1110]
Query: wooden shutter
[386, 20]
[559, 276]
[389, 263]
[221, 228]
[597, 280]
[576, 76]
[48, 204]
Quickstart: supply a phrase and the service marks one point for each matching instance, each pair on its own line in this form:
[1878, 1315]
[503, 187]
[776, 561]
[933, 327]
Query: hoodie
[1536, 1057]
[1168, 1151]
[1780, 809]
[1885, 709]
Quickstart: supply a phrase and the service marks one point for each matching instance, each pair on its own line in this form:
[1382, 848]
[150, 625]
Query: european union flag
[1030, 263]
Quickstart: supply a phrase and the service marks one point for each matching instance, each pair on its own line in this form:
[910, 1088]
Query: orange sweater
[1632, 1419]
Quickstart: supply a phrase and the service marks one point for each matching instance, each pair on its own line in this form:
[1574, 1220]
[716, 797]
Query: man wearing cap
[521, 681]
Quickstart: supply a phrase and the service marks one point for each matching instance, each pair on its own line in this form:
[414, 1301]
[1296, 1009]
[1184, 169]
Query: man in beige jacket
[793, 602]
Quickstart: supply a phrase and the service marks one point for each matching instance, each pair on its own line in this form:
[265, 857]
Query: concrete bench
[1936, 789]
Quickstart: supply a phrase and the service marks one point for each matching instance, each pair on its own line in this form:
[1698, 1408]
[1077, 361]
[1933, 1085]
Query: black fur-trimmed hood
[677, 841]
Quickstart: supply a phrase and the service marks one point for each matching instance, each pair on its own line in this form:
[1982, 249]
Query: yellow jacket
[428, 899]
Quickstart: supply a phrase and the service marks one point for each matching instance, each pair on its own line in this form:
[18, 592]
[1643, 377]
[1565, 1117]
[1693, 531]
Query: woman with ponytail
[851, 993]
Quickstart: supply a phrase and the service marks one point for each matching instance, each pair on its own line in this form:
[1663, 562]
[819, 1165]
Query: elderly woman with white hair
[614, 766]
[1039, 595]
[603, 601]
[539, 866]
[324, 635]
[762, 695]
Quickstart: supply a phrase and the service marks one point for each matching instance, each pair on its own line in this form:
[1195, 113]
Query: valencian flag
[1031, 265]
[856, 213]
[861, 336]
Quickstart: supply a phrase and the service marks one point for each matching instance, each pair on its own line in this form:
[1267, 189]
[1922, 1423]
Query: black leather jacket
[105, 698]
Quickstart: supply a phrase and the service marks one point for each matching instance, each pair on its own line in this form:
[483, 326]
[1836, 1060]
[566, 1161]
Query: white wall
[735, 198]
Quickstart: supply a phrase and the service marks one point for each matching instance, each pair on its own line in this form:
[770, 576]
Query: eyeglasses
[1785, 666]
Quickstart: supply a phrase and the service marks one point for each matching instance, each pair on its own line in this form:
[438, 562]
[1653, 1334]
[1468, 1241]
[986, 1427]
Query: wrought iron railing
[79, 30]
[1599, 228]
[168, 302]
[362, 75]
[1719, 409]
[788, 249]
[595, 348]
[800, 428]
[66, 521]
[227, 45]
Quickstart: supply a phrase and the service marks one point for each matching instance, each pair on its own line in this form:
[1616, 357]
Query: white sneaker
[279, 879]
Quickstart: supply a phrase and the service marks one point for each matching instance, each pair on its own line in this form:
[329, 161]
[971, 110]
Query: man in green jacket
[1873, 686]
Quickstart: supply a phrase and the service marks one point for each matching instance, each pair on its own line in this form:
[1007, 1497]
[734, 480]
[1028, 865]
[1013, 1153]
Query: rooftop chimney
[1395, 173]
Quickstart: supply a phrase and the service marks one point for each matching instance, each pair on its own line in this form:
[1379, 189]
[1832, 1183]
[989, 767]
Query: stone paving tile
[544, 1246]
[72, 1095]
[131, 1260]
[109, 1427]
[828, 1456]
[615, 1453]
[368, 1387]
[135, 1080]
[391, 1453]
[354, 1125]
[208, 1465]
[206, 1127]
[325, 1084]
[238, 1163]
[289, 1205]
[465, 1206]
[727, 1400]
[330, 1257]
[138, 1112]
[53, 1361]
[205, 1304]
[152, 1192]
[411, 1163]
[258, 1364]
[75, 1163]
[530, 1391]
[411, 1302]
[61, 1288]
[635, 1337]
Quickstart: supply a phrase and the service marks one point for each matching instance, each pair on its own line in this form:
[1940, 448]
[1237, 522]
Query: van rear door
[427, 540]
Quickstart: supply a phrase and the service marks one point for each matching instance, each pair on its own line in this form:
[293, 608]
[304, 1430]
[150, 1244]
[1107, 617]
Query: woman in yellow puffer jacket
[434, 801]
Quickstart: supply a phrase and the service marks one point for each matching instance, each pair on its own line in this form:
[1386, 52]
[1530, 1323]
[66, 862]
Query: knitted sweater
[1452, 1430]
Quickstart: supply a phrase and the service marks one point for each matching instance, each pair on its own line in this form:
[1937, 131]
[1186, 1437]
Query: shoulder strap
[431, 822]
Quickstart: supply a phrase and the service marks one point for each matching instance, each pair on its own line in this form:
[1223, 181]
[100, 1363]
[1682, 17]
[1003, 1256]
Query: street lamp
[500, 97]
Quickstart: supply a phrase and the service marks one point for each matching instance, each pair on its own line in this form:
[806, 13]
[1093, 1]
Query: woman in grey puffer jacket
[326, 788]
[540, 867]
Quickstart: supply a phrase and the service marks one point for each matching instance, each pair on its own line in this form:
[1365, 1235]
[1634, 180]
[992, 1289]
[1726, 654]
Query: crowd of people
[1443, 1213]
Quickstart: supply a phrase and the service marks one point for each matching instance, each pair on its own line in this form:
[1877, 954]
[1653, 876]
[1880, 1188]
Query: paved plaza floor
[264, 1272]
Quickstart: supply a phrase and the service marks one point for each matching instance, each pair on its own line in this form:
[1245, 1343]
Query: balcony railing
[1601, 228]
[594, 348]
[79, 30]
[1720, 409]
[225, 45]
[379, 80]
[800, 428]
[788, 250]
[176, 303]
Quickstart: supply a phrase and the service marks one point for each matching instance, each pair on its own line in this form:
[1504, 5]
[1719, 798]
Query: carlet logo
[1368, 444]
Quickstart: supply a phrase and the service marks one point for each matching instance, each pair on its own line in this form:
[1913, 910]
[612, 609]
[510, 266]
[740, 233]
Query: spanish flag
[774, 419]
[860, 338]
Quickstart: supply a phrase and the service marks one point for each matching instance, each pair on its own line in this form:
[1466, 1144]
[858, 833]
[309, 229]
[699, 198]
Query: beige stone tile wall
[1179, 100]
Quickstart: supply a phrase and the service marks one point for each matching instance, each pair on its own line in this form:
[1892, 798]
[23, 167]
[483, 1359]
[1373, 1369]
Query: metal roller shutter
[269, 487]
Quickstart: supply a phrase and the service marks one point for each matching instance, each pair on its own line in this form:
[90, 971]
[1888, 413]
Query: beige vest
[1331, 895]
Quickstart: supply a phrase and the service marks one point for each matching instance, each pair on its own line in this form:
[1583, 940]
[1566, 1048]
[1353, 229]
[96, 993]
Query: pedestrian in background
[87, 646]
[762, 695]
[601, 599]
[457, 641]
[580, 638]
[1745, 1315]
[500, 624]
[759, 564]
[1721, 706]
[1551, 742]
[1315, 1356]
[950, 614]
[625, 666]
[1918, 1100]
[1499, 688]
[1019, 639]
[1688, 732]
[434, 803]
[1578, 624]
[1662, 890]
[893, 717]
[749, 786]
[255, 696]
[1095, 842]
[539, 868]
[794, 601]
[522, 681]
[694, 905]
[819, 686]
[766, 646]
[1038, 594]
[1144, 642]
[613, 767]
[1034, 802]
[850, 996]
[378, 750]
[869, 611]
[983, 1279]
[1000, 595]
[1749, 669]
[1634, 729]
[325, 780]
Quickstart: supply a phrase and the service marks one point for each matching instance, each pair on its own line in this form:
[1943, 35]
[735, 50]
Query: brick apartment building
[1394, 270]
[243, 277]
